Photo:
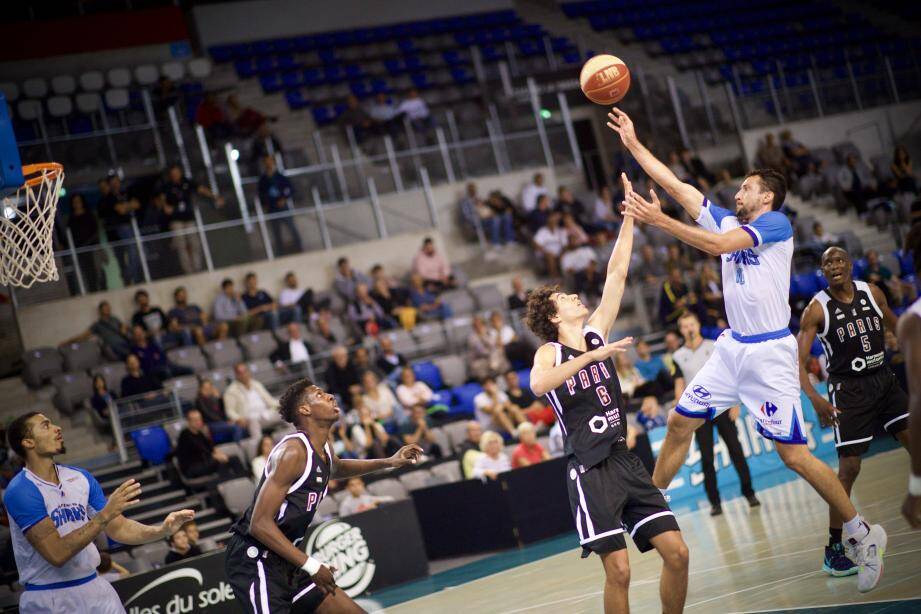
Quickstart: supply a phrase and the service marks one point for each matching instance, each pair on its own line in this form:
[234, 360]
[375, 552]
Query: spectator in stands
[519, 296]
[117, 209]
[902, 170]
[675, 298]
[528, 451]
[573, 230]
[676, 167]
[418, 430]
[537, 217]
[322, 338]
[879, 274]
[102, 397]
[197, 455]
[84, 229]
[796, 154]
[153, 357]
[209, 403]
[156, 323]
[191, 317]
[259, 304]
[294, 352]
[264, 144]
[263, 450]
[247, 399]
[501, 205]
[179, 192]
[379, 399]
[230, 310]
[856, 183]
[358, 500]
[412, 392]
[536, 411]
[648, 266]
[531, 192]
[361, 358]
[385, 115]
[469, 449]
[675, 257]
[366, 315]
[210, 116]
[136, 382]
[246, 120]
[389, 362]
[494, 410]
[649, 365]
[292, 294]
[110, 331]
[427, 302]
[109, 570]
[275, 194]
[485, 354]
[771, 155]
[165, 95]
[604, 214]
[180, 548]
[580, 267]
[347, 278]
[549, 243]
[515, 348]
[820, 238]
[191, 530]
[355, 117]
[696, 169]
[433, 267]
[368, 435]
[416, 110]
[812, 182]
[341, 374]
[566, 202]
[672, 342]
[711, 307]
[493, 461]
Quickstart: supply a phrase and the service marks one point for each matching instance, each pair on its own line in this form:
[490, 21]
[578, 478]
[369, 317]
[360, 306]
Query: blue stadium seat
[296, 99]
[152, 444]
[463, 398]
[461, 76]
[524, 378]
[421, 81]
[427, 372]
[804, 284]
[906, 264]
[859, 268]
[270, 83]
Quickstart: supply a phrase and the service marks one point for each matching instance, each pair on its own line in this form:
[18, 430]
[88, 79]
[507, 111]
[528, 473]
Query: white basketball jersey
[70, 505]
[756, 281]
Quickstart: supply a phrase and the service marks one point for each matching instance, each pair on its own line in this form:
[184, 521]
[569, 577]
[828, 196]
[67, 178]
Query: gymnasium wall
[255, 19]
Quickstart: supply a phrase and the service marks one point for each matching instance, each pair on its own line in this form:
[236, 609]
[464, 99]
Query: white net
[26, 226]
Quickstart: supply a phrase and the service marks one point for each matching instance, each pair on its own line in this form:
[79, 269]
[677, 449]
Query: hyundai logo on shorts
[701, 392]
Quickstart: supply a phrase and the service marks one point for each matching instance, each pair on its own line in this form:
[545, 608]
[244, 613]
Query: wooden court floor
[766, 559]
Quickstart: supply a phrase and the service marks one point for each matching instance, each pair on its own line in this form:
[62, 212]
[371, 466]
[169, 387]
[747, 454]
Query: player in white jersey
[55, 513]
[756, 361]
[910, 341]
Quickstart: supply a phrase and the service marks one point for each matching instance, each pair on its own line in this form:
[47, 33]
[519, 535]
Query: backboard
[11, 177]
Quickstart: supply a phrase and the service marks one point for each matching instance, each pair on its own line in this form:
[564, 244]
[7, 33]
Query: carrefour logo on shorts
[702, 392]
[340, 545]
[768, 409]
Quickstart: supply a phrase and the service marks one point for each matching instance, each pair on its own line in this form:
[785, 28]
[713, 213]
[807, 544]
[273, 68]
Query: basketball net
[26, 225]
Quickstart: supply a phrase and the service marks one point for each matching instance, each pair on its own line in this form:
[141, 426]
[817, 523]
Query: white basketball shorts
[96, 596]
[760, 371]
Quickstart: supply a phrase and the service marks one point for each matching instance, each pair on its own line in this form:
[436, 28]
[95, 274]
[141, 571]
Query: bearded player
[849, 318]
[755, 362]
[610, 492]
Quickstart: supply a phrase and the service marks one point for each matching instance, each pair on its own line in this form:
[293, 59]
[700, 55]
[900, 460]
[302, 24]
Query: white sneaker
[869, 557]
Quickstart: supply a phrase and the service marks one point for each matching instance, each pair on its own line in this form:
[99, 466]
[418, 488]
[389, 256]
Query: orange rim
[50, 169]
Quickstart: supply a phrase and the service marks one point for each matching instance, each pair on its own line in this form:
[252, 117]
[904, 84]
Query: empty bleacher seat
[447, 472]
[388, 487]
[237, 494]
[88, 102]
[153, 553]
[414, 480]
[152, 443]
[81, 355]
[119, 77]
[430, 337]
[222, 353]
[36, 87]
[221, 378]
[112, 373]
[199, 68]
[189, 356]
[403, 341]
[117, 99]
[427, 372]
[173, 428]
[40, 365]
[463, 396]
[264, 371]
[258, 344]
[185, 387]
[63, 85]
[488, 297]
[173, 70]
[60, 106]
[10, 91]
[146, 74]
[92, 81]
[458, 329]
[29, 110]
[453, 370]
[71, 389]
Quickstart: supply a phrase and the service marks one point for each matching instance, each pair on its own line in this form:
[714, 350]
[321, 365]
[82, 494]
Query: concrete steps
[835, 223]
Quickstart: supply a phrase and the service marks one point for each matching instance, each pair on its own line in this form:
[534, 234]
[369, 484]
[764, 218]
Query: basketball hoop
[26, 225]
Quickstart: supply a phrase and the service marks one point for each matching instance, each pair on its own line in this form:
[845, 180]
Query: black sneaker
[753, 501]
[836, 563]
[716, 510]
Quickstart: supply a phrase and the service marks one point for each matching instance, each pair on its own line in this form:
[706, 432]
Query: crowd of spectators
[385, 117]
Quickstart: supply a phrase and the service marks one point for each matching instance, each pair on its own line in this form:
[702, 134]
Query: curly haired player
[610, 492]
[267, 570]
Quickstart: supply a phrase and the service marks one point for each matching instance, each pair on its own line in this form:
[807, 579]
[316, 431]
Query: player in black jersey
[850, 318]
[269, 573]
[610, 491]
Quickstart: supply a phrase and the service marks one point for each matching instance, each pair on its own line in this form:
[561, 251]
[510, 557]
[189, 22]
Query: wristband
[311, 566]
[914, 485]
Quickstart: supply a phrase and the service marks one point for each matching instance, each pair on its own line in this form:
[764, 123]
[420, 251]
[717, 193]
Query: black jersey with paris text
[300, 504]
[852, 335]
[590, 405]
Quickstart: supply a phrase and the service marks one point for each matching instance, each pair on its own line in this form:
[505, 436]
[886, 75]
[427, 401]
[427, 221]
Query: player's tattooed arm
[133, 533]
[690, 198]
[286, 465]
[890, 320]
[616, 279]
[345, 468]
[813, 319]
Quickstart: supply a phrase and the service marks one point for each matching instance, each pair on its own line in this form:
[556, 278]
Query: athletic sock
[834, 536]
[856, 528]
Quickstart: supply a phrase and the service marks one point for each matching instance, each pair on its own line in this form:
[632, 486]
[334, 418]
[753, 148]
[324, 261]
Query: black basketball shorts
[864, 403]
[265, 583]
[614, 498]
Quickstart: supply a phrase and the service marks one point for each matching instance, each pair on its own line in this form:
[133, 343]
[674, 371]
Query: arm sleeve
[97, 499]
[25, 504]
[772, 227]
[711, 216]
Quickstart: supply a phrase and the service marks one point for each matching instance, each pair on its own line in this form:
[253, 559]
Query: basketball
[604, 79]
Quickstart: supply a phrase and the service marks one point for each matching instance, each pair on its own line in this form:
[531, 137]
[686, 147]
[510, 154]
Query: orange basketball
[604, 79]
